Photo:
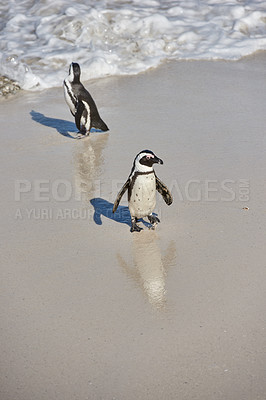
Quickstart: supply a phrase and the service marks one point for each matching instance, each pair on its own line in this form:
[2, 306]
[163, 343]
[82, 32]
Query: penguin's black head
[145, 159]
[74, 72]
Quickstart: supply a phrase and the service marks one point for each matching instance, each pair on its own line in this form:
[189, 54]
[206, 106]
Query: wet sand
[91, 311]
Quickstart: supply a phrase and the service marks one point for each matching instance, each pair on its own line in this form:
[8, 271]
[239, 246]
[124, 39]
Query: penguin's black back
[82, 94]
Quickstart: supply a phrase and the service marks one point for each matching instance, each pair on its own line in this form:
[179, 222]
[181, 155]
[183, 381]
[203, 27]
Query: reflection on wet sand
[89, 163]
[150, 268]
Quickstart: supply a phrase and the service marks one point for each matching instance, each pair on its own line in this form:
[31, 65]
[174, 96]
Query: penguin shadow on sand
[65, 128]
[62, 126]
[150, 267]
[105, 208]
[122, 215]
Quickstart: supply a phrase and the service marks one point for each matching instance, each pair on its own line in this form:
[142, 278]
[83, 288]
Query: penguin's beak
[157, 160]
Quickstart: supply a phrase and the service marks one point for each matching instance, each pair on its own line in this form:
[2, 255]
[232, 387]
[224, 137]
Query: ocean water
[40, 38]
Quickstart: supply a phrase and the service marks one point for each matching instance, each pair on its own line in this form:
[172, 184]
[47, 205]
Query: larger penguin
[142, 184]
[81, 104]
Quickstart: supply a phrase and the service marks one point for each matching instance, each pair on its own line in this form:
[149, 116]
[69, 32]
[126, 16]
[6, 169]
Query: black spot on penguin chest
[149, 176]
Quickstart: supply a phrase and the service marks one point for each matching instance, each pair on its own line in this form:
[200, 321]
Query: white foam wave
[38, 40]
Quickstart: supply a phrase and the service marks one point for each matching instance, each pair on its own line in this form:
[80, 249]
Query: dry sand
[91, 311]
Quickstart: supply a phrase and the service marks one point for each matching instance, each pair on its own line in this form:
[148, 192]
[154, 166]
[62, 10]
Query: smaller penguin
[142, 184]
[81, 104]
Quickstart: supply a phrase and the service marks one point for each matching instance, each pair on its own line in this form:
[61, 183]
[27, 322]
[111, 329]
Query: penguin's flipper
[120, 194]
[80, 109]
[96, 121]
[99, 124]
[164, 191]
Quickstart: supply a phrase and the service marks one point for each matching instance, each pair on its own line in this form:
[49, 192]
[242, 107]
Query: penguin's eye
[149, 156]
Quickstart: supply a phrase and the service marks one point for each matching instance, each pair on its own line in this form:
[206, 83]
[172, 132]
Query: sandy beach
[91, 311]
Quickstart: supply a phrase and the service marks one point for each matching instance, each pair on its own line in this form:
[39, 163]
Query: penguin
[81, 104]
[141, 185]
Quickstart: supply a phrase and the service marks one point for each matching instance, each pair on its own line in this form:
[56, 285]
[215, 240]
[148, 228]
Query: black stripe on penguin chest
[143, 185]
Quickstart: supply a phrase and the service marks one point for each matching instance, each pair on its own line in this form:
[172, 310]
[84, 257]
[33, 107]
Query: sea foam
[38, 40]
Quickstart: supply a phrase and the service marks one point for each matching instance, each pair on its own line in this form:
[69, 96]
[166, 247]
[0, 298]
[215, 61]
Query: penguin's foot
[80, 135]
[134, 226]
[153, 220]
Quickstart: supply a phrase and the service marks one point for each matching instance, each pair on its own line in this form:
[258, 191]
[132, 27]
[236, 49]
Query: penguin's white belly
[69, 97]
[143, 196]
